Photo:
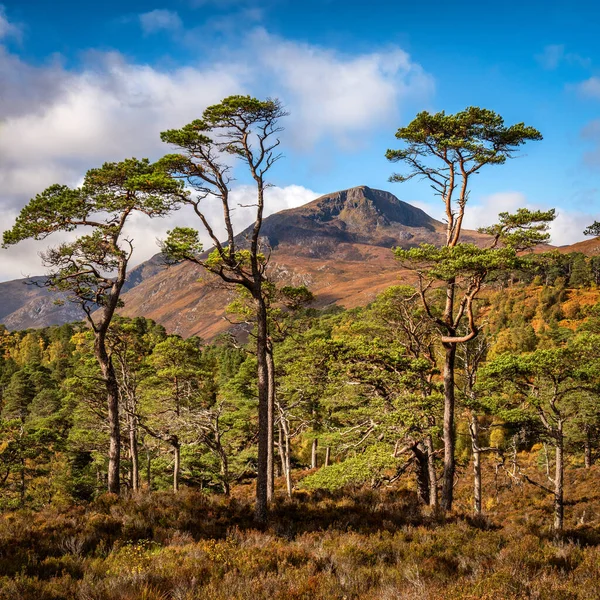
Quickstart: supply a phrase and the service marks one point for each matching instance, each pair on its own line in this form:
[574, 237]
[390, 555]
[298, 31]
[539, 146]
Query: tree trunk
[449, 464]
[22, 479]
[224, 471]
[284, 451]
[260, 511]
[280, 445]
[112, 390]
[176, 463]
[133, 451]
[288, 467]
[327, 456]
[313, 454]
[558, 482]
[421, 469]
[474, 431]
[433, 491]
[149, 470]
[587, 450]
[270, 432]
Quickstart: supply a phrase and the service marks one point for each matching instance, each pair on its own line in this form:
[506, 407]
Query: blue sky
[87, 82]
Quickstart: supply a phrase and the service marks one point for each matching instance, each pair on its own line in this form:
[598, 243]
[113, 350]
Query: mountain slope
[338, 245]
[589, 247]
[26, 303]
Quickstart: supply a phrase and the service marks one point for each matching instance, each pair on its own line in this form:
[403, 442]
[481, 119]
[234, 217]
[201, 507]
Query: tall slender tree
[244, 128]
[447, 151]
[92, 269]
[284, 304]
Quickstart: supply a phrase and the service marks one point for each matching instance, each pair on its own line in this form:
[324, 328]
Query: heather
[357, 543]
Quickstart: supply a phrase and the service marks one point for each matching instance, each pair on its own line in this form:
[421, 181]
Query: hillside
[26, 303]
[360, 544]
[589, 247]
[338, 245]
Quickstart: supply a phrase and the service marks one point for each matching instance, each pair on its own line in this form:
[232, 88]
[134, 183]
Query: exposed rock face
[358, 215]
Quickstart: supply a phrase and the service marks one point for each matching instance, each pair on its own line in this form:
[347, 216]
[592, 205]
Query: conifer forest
[438, 442]
[221, 385]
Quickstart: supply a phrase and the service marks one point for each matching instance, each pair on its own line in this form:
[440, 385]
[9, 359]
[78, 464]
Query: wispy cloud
[591, 134]
[8, 29]
[160, 19]
[551, 56]
[222, 4]
[555, 55]
[590, 88]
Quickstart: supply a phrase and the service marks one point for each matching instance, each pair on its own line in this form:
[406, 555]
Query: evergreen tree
[447, 151]
[92, 269]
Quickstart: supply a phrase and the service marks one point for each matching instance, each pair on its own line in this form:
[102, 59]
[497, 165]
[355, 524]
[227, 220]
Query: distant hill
[26, 303]
[338, 245]
[588, 247]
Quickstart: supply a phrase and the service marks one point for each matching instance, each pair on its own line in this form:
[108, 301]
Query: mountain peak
[368, 208]
[360, 215]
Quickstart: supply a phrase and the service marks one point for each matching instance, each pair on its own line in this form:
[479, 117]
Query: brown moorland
[355, 544]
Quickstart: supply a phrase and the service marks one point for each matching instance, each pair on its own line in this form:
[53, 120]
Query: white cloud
[145, 232]
[590, 88]
[332, 95]
[486, 211]
[56, 123]
[160, 19]
[479, 213]
[109, 112]
[566, 229]
[23, 259]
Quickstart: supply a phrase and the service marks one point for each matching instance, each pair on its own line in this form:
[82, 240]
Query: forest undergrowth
[353, 544]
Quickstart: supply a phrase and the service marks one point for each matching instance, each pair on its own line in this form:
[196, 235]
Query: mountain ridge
[338, 245]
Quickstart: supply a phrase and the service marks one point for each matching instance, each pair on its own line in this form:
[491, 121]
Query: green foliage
[475, 135]
[545, 383]
[92, 268]
[115, 187]
[461, 260]
[182, 243]
[241, 126]
[370, 466]
[522, 230]
[593, 229]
